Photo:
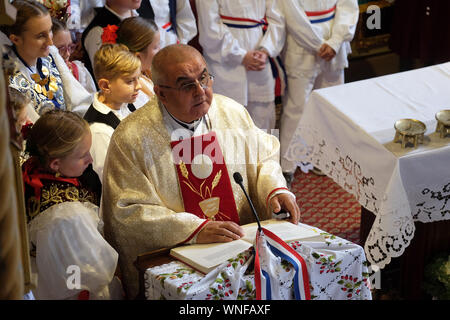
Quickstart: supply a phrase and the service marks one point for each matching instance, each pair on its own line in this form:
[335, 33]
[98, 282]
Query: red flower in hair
[109, 33]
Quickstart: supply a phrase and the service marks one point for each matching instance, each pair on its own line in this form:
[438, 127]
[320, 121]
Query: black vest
[102, 18]
[110, 119]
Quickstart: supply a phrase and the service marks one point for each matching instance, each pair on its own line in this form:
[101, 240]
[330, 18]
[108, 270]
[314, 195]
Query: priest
[167, 173]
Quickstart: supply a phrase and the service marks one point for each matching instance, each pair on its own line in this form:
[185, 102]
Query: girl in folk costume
[63, 41]
[236, 49]
[318, 35]
[111, 14]
[62, 193]
[174, 18]
[41, 72]
[141, 36]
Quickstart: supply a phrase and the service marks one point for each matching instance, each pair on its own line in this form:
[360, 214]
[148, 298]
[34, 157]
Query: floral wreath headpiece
[59, 9]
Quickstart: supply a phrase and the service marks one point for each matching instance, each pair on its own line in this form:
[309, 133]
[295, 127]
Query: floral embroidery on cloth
[338, 270]
[45, 87]
[43, 190]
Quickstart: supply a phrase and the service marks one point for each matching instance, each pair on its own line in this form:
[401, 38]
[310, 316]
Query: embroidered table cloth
[337, 270]
[347, 131]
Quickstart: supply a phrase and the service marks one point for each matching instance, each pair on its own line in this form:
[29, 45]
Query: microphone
[238, 179]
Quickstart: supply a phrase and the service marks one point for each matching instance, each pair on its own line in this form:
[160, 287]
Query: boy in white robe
[318, 35]
[237, 49]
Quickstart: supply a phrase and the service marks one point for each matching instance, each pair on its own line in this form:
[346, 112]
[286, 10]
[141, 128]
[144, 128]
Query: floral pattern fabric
[44, 87]
[337, 270]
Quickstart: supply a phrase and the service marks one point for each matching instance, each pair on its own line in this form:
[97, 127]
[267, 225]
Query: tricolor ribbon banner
[268, 249]
[321, 16]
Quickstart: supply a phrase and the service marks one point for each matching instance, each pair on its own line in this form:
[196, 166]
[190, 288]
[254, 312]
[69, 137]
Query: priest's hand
[287, 202]
[220, 231]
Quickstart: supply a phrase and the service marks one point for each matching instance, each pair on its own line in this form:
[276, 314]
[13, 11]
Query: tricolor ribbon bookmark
[280, 249]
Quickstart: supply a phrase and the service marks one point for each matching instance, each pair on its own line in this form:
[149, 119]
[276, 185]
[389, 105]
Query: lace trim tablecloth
[396, 199]
[337, 270]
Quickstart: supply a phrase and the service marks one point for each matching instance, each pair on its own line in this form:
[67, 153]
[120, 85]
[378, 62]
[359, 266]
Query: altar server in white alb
[174, 18]
[237, 49]
[318, 35]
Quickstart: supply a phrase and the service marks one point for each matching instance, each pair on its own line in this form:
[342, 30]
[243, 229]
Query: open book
[206, 257]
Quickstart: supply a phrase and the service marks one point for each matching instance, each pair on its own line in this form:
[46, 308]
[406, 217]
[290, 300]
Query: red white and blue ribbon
[280, 249]
[321, 16]
[168, 26]
[242, 23]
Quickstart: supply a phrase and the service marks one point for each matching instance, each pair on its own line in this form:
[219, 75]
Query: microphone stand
[238, 179]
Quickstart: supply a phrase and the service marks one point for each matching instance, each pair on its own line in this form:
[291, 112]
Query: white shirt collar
[103, 108]
[133, 13]
[178, 132]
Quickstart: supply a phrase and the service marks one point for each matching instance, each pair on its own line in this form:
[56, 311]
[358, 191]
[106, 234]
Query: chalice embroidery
[209, 204]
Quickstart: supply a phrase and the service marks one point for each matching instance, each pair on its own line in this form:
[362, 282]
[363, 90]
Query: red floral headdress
[109, 34]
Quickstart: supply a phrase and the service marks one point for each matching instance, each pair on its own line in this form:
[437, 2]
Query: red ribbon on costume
[73, 67]
[319, 13]
[33, 174]
[203, 178]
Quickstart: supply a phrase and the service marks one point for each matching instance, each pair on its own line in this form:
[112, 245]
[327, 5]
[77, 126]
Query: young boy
[112, 13]
[117, 72]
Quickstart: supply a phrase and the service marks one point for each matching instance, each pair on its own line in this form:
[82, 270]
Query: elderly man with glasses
[168, 169]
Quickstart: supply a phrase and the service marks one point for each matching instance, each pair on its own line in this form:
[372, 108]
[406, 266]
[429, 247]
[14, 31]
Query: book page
[285, 230]
[206, 256]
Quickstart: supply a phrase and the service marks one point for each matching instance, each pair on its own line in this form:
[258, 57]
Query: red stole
[203, 178]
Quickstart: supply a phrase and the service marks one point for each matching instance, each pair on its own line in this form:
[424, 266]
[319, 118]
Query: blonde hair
[136, 33]
[112, 61]
[55, 135]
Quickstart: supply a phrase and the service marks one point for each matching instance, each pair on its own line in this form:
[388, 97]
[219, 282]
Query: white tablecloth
[347, 131]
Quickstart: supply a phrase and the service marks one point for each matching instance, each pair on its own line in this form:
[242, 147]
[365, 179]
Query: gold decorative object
[443, 123]
[210, 206]
[409, 130]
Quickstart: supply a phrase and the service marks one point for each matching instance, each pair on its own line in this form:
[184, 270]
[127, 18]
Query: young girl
[63, 42]
[20, 105]
[40, 70]
[70, 256]
[142, 37]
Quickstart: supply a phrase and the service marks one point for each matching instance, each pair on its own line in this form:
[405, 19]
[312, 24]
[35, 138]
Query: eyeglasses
[203, 81]
[70, 48]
